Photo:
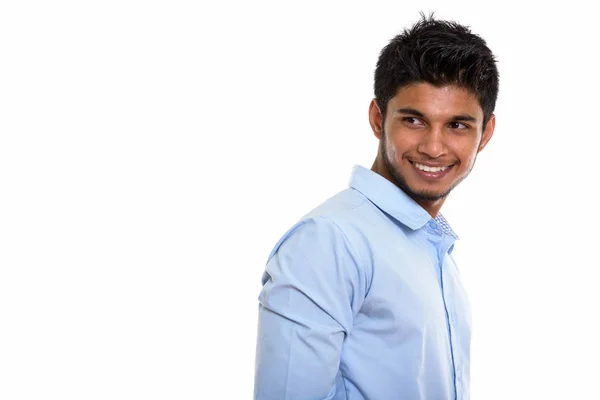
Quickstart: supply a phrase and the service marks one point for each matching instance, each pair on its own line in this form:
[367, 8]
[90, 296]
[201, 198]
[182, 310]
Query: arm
[313, 287]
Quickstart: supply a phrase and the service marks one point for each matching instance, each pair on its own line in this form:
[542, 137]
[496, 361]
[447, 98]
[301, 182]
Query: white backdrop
[151, 153]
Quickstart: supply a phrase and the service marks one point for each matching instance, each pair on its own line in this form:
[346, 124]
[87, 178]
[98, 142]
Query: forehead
[437, 101]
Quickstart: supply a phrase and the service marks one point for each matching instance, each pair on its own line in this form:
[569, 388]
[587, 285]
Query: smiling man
[361, 298]
[430, 140]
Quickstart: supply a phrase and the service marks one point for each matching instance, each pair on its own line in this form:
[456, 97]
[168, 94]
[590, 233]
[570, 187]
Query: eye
[413, 121]
[458, 125]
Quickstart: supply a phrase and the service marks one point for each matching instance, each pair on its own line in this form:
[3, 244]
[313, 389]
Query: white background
[151, 153]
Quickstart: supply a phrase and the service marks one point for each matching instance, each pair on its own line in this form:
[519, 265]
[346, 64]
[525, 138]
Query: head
[436, 86]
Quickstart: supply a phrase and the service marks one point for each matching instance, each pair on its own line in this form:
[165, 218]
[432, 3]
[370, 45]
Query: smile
[426, 168]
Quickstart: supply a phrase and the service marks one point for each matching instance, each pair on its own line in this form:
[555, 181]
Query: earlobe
[375, 119]
[487, 133]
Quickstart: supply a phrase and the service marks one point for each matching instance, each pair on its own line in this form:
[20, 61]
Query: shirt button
[433, 226]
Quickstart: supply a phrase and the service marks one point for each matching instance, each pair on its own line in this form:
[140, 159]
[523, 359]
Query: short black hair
[440, 53]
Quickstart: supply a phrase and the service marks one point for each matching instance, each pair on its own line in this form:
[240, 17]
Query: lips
[427, 168]
[430, 171]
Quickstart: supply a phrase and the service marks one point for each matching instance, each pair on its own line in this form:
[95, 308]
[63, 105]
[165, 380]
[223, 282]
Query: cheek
[388, 148]
[390, 151]
[466, 152]
[393, 153]
[468, 158]
[394, 150]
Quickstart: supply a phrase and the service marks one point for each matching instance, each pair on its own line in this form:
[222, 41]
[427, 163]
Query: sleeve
[313, 287]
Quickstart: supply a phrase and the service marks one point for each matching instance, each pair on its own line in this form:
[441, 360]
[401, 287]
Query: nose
[432, 142]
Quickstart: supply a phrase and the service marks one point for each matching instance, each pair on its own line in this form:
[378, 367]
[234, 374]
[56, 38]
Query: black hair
[440, 53]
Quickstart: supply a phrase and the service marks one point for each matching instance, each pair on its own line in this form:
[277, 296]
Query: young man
[361, 298]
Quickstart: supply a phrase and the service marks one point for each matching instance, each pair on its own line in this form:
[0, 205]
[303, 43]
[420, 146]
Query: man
[362, 298]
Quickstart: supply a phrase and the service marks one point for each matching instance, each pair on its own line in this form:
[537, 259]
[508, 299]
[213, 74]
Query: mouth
[430, 172]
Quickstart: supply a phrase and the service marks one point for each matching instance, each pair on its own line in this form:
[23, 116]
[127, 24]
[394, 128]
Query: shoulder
[338, 225]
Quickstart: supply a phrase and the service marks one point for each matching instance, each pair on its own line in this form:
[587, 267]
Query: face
[429, 140]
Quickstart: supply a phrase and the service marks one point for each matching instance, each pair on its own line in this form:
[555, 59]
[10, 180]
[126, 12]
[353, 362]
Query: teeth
[430, 169]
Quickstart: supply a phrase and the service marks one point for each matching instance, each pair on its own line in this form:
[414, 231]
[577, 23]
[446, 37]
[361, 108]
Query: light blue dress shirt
[361, 299]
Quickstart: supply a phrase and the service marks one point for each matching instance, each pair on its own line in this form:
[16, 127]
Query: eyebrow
[412, 111]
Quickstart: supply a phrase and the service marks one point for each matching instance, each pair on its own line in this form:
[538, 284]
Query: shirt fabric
[361, 299]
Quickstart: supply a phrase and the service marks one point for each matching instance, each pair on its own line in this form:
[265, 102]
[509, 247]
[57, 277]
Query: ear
[487, 133]
[375, 119]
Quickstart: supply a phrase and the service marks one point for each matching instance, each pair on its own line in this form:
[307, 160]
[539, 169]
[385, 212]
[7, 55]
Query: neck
[431, 206]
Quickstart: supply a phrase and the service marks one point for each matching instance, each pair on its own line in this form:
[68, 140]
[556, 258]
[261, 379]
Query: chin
[428, 196]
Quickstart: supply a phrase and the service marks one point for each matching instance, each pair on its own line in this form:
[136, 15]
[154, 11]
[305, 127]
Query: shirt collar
[393, 201]
[388, 197]
[445, 226]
